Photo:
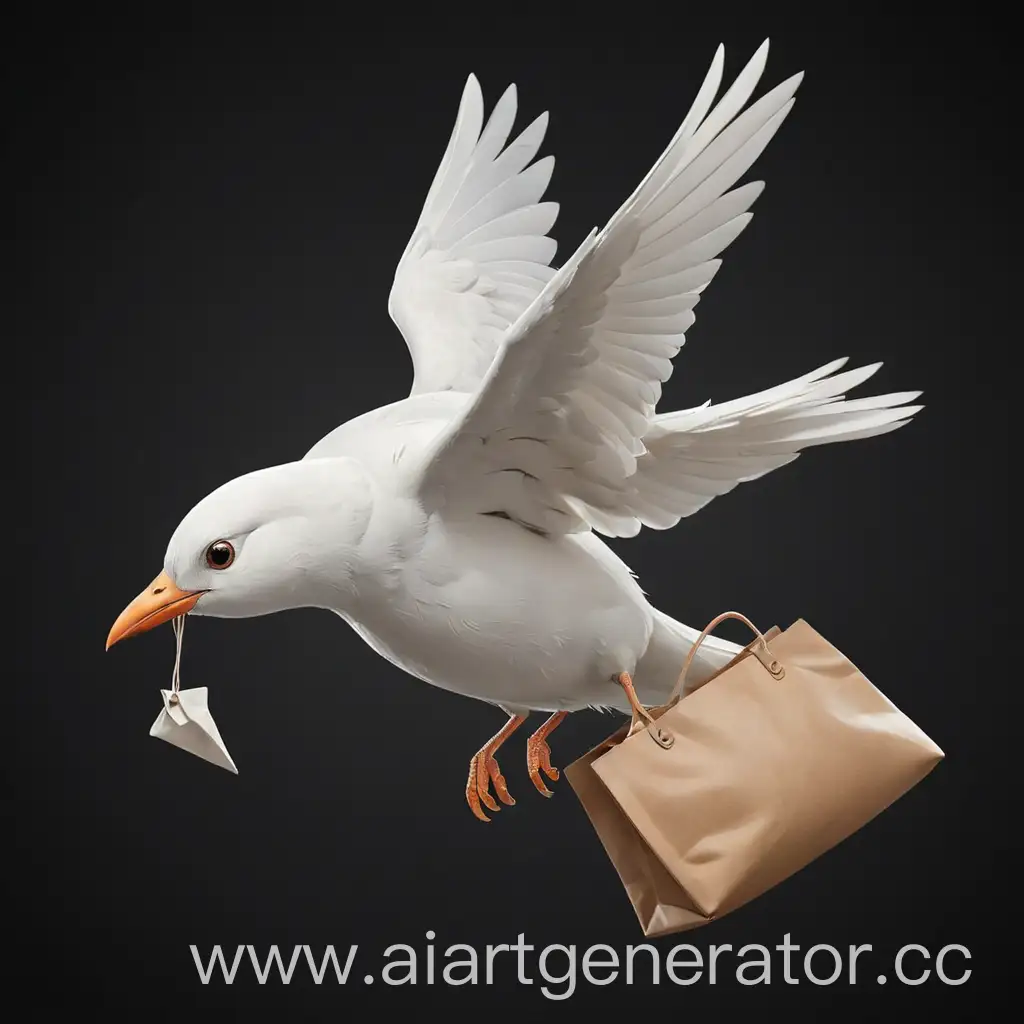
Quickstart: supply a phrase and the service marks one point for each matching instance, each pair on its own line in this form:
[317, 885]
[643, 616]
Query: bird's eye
[220, 555]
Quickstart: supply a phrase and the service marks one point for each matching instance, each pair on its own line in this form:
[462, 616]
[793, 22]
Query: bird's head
[275, 539]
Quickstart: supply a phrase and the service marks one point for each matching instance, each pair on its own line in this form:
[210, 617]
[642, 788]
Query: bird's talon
[500, 786]
[538, 754]
[473, 791]
[473, 799]
[535, 765]
[545, 762]
[483, 781]
[484, 773]
[539, 782]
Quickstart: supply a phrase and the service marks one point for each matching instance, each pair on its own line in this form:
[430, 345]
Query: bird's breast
[493, 612]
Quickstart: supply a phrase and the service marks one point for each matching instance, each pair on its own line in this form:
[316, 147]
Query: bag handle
[761, 651]
[642, 718]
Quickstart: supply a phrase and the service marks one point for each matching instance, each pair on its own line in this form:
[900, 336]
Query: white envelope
[187, 723]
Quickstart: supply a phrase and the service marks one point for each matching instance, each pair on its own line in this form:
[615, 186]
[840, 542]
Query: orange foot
[538, 753]
[484, 771]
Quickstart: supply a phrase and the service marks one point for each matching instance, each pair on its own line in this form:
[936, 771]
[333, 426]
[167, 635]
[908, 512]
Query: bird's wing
[554, 431]
[695, 455]
[480, 252]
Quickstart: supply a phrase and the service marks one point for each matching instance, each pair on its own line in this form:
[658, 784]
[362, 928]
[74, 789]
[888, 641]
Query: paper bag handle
[761, 651]
[643, 718]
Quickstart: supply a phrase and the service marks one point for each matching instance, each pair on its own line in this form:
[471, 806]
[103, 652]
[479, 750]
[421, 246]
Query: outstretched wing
[695, 455]
[480, 252]
[553, 434]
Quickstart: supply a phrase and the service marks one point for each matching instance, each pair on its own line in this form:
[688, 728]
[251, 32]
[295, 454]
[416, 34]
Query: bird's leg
[538, 753]
[626, 682]
[484, 770]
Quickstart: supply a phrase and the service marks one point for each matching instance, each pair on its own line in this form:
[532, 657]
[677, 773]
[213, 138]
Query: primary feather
[555, 431]
[480, 252]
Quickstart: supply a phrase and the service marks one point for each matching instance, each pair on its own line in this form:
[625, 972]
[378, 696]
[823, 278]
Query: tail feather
[697, 454]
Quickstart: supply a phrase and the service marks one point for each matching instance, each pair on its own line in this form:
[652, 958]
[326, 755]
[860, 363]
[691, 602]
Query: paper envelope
[187, 723]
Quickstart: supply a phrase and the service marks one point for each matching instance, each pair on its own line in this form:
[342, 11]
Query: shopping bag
[709, 801]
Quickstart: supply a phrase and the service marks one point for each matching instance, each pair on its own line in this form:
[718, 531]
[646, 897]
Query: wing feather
[580, 370]
[582, 367]
[480, 251]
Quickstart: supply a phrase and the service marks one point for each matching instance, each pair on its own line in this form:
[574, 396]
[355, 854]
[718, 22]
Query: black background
[209, 214]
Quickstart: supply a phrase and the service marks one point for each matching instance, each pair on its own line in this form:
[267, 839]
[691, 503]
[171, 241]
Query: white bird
[457, 530]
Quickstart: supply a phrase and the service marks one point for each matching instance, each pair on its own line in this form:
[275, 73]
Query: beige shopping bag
[709, 801]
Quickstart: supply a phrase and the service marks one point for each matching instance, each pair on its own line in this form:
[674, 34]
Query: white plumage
[455, 530]
[582, 359]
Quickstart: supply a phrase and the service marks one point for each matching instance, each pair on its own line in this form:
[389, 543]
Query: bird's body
[426, 600]
[524, 646]
[457, 530]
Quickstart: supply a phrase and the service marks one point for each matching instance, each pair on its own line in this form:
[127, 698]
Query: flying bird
[459, 531]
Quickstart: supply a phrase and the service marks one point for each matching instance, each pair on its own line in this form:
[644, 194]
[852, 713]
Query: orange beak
[160, 602]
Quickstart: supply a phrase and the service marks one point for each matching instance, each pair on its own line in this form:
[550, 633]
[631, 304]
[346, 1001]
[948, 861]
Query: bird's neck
[353, 559]
[366, 576]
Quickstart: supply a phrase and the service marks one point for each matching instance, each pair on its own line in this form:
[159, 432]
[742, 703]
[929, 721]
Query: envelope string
[179, 630]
